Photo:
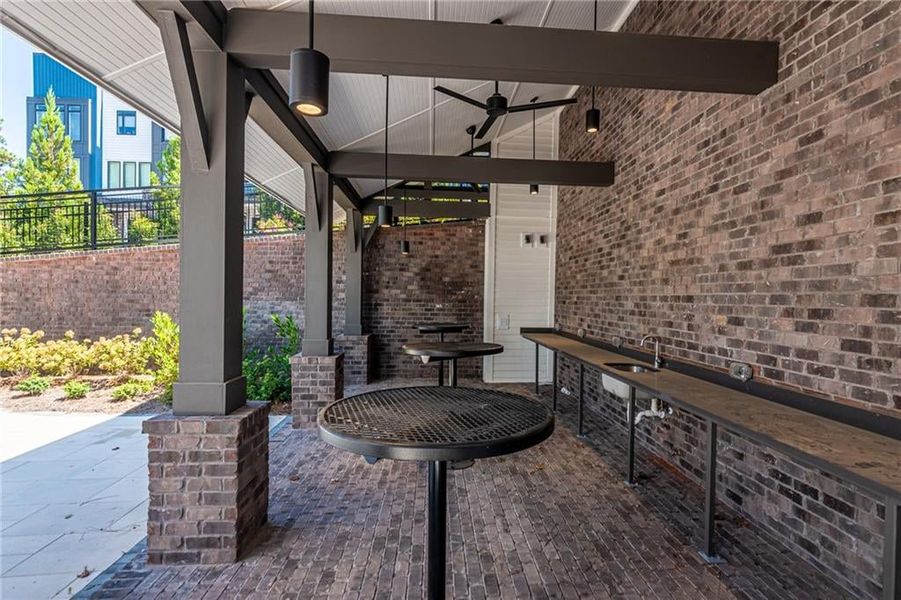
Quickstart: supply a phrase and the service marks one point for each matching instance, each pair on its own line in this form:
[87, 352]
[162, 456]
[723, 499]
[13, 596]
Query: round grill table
[441, 329]
[451, 351]
[437, 425]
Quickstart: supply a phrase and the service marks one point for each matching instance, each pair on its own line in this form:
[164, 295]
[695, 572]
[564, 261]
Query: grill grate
[439, 416]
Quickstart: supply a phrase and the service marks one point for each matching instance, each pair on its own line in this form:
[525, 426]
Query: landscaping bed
[99, 399]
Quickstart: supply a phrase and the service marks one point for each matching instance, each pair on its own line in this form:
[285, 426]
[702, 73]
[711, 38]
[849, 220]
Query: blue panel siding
[66, 83]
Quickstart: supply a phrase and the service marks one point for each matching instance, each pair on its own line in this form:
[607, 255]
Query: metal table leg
[709, 552]
[891, 570]
[581, 393]
[437, 545]
[537, 348]
[630, 416]
[555, 380]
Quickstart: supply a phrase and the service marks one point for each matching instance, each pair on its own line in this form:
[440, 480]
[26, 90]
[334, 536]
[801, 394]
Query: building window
[39, 111]
[129, 174]
[143, 174]
[74, 125]
[126, 122]
[113, 174]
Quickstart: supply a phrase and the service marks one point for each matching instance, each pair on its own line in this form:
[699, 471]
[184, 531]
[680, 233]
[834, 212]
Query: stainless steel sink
[631, 368]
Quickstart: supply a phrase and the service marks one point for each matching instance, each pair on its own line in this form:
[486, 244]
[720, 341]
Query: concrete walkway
[73, 499]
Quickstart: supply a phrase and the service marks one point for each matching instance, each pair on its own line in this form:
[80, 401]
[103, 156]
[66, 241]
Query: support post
[353, 237]
[709, 552]
[891, 572]
[211, 259]
[437, 529]
[317, 335]
[630, 416]
[554, 367]
[581, 394]
[537, 348]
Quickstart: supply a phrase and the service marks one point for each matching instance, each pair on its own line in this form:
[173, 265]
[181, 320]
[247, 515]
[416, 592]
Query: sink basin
[620, 388]
[631, 368]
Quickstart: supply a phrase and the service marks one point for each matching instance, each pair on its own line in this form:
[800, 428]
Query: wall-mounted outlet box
[544, 239]
[526, 240]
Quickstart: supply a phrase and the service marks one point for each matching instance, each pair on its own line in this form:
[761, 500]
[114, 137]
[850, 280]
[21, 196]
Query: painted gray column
[211, 256]
[317, 335]
[353, 270]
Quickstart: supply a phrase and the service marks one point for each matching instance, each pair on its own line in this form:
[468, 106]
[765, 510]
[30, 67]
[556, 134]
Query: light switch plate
[526, 239]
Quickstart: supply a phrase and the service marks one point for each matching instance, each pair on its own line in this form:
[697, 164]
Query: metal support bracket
[630, 416]
[581, 396]
[554, 367]
[709, 552]
[891, 571]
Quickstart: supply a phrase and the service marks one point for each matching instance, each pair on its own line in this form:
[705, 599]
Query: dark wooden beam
[429, 209]
[469, 168]
[195, 136]
[419, 48]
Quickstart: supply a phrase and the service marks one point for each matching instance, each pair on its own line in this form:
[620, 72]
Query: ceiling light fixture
[404, 243]
[533, 187]
[308, 79]
[593, 115]
[386, 214]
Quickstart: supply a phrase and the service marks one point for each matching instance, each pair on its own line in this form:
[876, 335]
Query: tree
[10, 168]
[50, 165]
[169, 167]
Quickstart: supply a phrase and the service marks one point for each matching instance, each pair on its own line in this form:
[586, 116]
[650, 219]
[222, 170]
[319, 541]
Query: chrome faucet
[658, 361]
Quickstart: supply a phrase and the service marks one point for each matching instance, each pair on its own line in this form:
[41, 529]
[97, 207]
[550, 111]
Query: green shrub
[268, 374]
[163, 351]
[76, 389]
[34, 385]
[142, 230]
[131, 389]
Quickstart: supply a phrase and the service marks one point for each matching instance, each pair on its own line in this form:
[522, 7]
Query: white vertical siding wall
[519, 281]
[136, 148]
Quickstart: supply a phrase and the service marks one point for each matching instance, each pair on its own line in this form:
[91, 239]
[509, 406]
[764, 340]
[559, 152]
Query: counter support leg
[709, 552]
[537, 349]
[453, 372]
[891, 573]
[581, 394]
[555, 380]
[437, 544]
[630, 417]
[441, 363]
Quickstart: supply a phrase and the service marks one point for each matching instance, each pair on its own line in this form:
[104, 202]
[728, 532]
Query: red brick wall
[762, 229]
[107, 292]
[442, 279]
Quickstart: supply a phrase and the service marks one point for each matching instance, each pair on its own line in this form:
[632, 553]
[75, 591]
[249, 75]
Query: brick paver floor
[555, 521]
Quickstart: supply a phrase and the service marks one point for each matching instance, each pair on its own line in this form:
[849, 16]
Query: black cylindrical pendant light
[308, 79]
[593, 115]
[533, 187]
[386, 213]
[405, 247]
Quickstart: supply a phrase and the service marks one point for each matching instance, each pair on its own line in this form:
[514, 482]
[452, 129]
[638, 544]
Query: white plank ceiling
[118, 46]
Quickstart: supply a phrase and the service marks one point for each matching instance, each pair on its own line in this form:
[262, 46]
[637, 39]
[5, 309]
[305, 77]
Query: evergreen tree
[50, 165]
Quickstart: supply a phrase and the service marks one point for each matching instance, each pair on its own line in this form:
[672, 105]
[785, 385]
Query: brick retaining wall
[762, 229]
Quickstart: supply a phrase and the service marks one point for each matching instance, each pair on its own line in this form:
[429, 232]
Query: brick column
[357, 358]
[209, 485]
[315, 381]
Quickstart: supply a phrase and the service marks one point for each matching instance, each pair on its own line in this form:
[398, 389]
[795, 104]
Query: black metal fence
[93, 219]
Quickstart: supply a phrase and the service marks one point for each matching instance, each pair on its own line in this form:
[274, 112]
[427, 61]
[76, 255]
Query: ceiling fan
[496, 106]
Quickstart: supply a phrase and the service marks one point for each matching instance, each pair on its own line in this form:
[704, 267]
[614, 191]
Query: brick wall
[441, 279]
[108, 292]
[762, 229]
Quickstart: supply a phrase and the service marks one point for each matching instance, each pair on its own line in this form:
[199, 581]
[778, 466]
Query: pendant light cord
[311, 23]
[387, 89]
[595, 29]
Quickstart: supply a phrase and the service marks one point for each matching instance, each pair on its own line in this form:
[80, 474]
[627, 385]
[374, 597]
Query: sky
[16, 84]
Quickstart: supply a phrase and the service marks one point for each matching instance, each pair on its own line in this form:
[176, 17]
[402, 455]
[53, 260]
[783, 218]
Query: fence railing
[93, 219]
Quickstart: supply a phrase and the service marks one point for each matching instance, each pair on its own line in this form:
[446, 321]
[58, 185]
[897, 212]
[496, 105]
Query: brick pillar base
[315, 381]
[357, 358]
[209, 485]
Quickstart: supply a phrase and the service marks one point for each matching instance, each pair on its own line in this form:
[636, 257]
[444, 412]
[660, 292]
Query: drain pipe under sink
[658, 410]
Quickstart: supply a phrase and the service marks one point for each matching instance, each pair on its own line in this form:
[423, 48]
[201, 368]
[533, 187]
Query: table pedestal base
[437, 543]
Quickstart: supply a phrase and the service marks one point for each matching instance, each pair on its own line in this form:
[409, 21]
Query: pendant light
[533, 187]
[593, 115]
[308, 79]
[404, 244]
[386, 214]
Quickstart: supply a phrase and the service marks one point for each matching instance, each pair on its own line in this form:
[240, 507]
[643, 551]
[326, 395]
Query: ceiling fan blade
[454, 94]
[540, 105]
[486, 126]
